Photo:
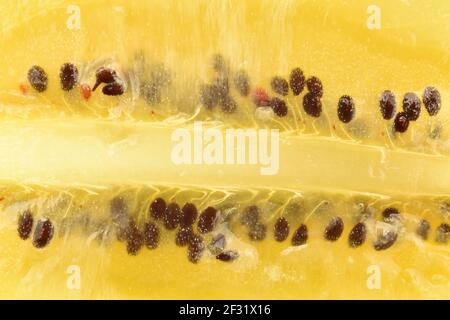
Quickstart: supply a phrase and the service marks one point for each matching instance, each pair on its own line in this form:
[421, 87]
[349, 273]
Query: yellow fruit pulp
[55, 145]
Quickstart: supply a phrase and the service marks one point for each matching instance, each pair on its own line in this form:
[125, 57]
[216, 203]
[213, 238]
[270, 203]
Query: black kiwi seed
[119, 210]
[157, 208]
[151, 235]
[312, 104]
[25, 224]
[411, 106]
[227, 256]
[135, 239]
[43, 233]
[257, 232]
[104, 75]
[114, 89]
[242, 83]
[443, 233]
[195, 248]
[432, 100]
[297, 81]
[172, 216]
[228, 104]
[390, 214]
[250, 216]
[279, 107]
[68, 76]
[189, 215]
[207, 220]
[346, 109]
[401, 122]
[388, 105]
[314, 86]
[385, 241]
[423, 229]
[280, 86]
[300, 235]
[38, 78]
[357, 235]
[217, 244]
[334, 229]
[209, 96]
[281, 229]
[183, 236]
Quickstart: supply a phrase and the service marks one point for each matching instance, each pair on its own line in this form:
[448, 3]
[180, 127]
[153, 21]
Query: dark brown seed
[432, 100]
[300, 235]
[151, 235]
[38, 78]
[388, 105]
[104, 75]
[401, 122]
[346, 109]
[281, 230]
[151, 93]
[334, 229]
[227, 256]
[297, 81]
[43, 233]
[279, 107]
[135, 239]
[250, 216]
[222, 88]
[280, 86]
[114, 89]
[385, 241]
[257, 232]
[68, 76]
[443, 233]
[358, 235]
[119, 211]
[209, 96]
[207, 220]
[423, 229]
[183, 236]
[411, 106]
[189, 215]
[242, 83]
[228, 104]
[195, 248]
[25, 224]
[312, 104]
[314, 86]
[390, 214]
[157, 208]
[217, 244]
[172, 216]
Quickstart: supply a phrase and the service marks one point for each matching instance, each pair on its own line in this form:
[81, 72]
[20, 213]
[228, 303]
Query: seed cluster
[218, 92]
[43, 232]
[182, 220]
[172, 218]
[69, 78]
[411, 106]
